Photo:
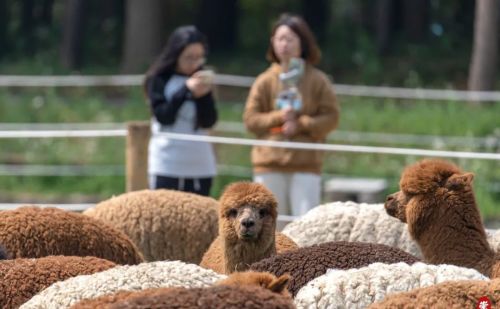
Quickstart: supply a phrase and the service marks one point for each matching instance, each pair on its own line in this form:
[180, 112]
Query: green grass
[121, 105]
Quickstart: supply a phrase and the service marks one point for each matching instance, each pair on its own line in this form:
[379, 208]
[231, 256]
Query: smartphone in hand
[207, 76]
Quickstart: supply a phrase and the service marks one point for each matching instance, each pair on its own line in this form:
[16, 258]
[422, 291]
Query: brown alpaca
[253, 278]
[437, 202]
[247, 229]
[262, 279]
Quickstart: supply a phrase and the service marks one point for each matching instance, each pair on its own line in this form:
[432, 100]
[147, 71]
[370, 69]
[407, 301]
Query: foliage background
[435, 55]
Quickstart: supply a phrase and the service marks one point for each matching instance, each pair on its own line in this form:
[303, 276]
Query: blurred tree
[104, 32]
[73, 30]
[316, 13]
[28, 27]
[144, 20]
[384, 12]
[218, 20]
[483, 63]
[45, 16]
[4, 23]
[416, 19]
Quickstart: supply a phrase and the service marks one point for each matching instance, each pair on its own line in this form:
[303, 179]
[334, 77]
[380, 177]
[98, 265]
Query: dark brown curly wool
[227, 297]
[21, 279]
[33, 232]
[307, 263]
[4, 255]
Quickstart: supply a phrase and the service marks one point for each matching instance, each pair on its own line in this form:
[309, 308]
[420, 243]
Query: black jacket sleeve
[165, 111]
[206, 113]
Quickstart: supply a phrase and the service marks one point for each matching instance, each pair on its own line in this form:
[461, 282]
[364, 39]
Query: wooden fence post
[136, 156]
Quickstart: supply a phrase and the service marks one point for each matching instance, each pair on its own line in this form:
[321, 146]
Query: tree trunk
[483, 63]
[416, 19]
[316, 13]
[74, 24]
[218, 20]
[4, 23]
[26, 36]
[383, 24]
[46, 14]
[143, 34]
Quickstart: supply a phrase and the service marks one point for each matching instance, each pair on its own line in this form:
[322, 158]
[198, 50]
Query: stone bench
[360, 190]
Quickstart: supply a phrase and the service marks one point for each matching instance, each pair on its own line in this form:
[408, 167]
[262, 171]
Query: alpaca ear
[279, 284]
[457, 182]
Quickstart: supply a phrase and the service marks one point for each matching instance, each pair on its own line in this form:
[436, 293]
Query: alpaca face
[429, 190]
[249, 221]
[395, 205]
[247, 213]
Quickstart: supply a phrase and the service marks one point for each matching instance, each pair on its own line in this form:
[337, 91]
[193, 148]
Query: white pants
[296, 193]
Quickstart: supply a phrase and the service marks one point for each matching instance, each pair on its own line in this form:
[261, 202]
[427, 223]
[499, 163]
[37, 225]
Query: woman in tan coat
[292, 175]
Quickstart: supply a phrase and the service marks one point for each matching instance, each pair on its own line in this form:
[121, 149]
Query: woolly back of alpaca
[240, 254]
[443, 217]
[164, 224]
[219, 296]
[33, 232]
[262, 279]
[449, 294]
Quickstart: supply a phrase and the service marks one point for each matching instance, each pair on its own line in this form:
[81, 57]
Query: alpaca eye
[263, 212]
[232, 213]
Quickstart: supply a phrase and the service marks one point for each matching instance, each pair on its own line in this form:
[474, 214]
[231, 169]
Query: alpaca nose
[389, 198]
[248, 223]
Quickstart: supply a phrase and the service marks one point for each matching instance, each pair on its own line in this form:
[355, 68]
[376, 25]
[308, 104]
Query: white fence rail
[61, 170]
[98, 170]
[255, 142]
[434, 141]
[246, 81]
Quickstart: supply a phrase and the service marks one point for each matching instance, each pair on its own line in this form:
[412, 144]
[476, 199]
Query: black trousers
[199, 186]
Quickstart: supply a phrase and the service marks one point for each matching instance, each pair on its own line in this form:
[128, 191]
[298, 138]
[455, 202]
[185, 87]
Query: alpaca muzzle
[391, 205]
[247, 229]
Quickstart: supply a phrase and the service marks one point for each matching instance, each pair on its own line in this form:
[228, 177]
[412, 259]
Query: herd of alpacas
[426, 247]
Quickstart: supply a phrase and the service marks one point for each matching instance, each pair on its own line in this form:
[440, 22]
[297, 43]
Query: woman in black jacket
[181, 101]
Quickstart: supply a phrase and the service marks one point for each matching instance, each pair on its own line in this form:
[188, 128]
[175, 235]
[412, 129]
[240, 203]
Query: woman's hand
[197, 85]
[289, 128]
[288, 114]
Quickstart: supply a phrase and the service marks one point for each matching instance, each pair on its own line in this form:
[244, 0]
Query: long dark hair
[177, 42]
[310, 49]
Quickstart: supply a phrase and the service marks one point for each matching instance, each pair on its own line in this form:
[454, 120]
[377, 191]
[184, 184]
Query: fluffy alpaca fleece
[307, 263]
[262, 279]
[493, 239]
[265, 280]
[164, 224]
[4, 255]
[358, 288]
[33, 232]
[122, 278]
[437, 202]
[21, 279]
[108, 300]
[348, 221]
[247, 229]
[446, 295]
[222, 296]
